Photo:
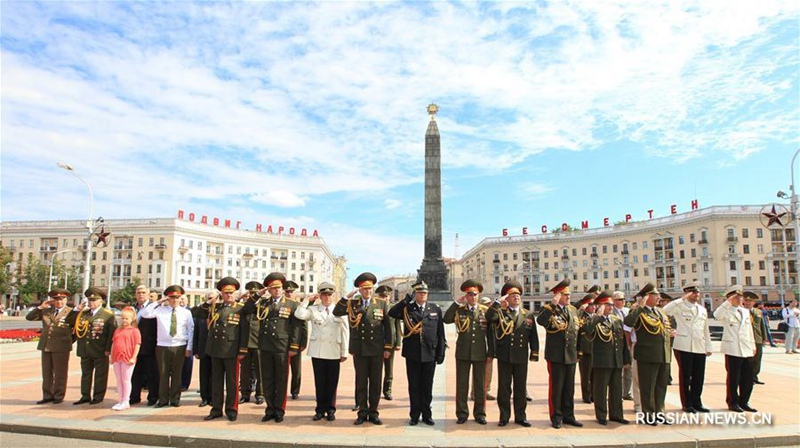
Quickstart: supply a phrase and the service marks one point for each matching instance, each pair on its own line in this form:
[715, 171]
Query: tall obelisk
[433, 270]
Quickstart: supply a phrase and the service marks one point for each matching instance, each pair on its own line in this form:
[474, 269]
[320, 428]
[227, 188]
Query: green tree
[126, 295]
[5, 276]
[33, 281]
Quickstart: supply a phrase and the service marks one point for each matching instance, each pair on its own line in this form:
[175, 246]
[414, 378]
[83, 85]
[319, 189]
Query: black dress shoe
[413, 422]
[428, 421]
[573, 422]
[232, 418]
[82, 401]
[701, 409]
[161, 405]
[388, 396]
[602, 421]
[480, 420]
[278, 418]
[528, 398]
[735, 409]
[45, 401]
[461, 420]
[202, 404]
[152, 403]
[331, 416]
[176, 404]
[689, 410]
[59, 401]
[758, 382]
[244, 399]
[294, 396]
[490, 397]
[523, 423]
[621, 421]
[502, 423]
[376, 420]
[359, 421]
[133, 402]
[259, 400]
[318, 416]
[354, 408]
[212, 416]
[267, 417]
[556, 424]
[96, 401]
[586, 400]
[746, 407]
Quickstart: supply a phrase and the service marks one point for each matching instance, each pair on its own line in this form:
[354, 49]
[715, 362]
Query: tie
[365, 304]
[173, 326]
[327, 311]
[513, 312]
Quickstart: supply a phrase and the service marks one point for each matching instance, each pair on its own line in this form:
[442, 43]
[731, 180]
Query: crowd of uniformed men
[250, 343]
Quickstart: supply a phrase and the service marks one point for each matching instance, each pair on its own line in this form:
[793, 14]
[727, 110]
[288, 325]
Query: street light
[52, 262]
[89, 224]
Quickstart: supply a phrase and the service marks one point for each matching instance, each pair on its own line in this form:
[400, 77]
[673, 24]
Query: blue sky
[312, 115]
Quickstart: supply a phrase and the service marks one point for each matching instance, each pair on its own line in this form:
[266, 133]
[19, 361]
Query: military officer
[652, 353]
[561, 322]
[225, 347]
[199, 340]
[277, 341]
[738, 345]
[423, 347]
[295, 362]
[609, 354]
[384, 292]
[55, 343]
[250, 378]
[370, 344]
[586, 310]
[516, 342]
[692, 344]
[472, 348]
[145, 373]
[94, 328]
[757, 319]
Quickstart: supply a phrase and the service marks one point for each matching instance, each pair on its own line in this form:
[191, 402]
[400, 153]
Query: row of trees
[31, 280]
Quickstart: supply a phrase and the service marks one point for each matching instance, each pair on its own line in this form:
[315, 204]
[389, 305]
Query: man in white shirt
[791, 315]
[692, 345]
[739, 347]
[174, 330]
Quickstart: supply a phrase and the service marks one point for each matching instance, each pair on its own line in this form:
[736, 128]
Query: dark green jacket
[475, 341]
[516, 347]
[96, 343]
[370, 329]
[609, 350]
[56, 329]
[279, 330]
[652, 339]
[561, 343]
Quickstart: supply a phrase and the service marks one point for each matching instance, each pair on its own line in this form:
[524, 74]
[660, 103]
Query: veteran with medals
[94, 328]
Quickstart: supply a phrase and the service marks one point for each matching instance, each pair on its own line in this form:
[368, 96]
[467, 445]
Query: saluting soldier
[692, 345]
[249, 377]
[94, 328]
[370, 344]
[55, 343]
[278, 341]
[423, 347]
[738, 345]
[225, 346]
[384, 292]
[560, 321]
[199, 341]
[609, 354]
[295, 362]
[586, 309]
[472, 348]
[653, 353]
[516, 342]
[757, 318]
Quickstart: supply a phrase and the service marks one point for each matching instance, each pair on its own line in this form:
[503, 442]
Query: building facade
[165, 251]
[717, 246]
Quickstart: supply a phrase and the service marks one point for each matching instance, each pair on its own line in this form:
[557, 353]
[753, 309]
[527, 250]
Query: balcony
[625, 252]
[161, 246]
[702, 241]
[565, 257]
[732, 239]
[123, 246]
[496, 261]
[594, 255]
[48, 248]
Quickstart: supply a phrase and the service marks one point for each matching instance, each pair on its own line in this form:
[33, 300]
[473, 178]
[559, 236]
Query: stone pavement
[20, 388]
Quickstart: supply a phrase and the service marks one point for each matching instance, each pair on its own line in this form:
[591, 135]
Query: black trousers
[561, 391]
[326, 381]
[740, 380]
[691, 376]
[55, 369]
[204, 373]
[274, 380]
[251, 363]
[607, 393]
[420, 387]
[368, 384]
[145, 374]
[509, 374]
[97, 368]
[224, 375]
[186, 373]
[296, 367]
[170, 362]
[585, 366]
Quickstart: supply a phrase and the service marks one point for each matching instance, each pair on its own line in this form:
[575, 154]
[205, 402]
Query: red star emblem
[102, 237]
[774, 217]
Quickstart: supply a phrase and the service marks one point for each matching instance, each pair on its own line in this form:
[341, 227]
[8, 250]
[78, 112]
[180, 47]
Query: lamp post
[89, 225]
[794, 208]
[52, 262]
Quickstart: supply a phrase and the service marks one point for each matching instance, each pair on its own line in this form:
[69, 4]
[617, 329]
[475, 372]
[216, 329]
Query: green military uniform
[397, 337]
[757, 320]
[585, 351]
[561, 352]
[370, 337]
[609, 355]
[296, 362]
[94, 331]
[472, 348]
[55, 343]
[516, 342]
[653, 353]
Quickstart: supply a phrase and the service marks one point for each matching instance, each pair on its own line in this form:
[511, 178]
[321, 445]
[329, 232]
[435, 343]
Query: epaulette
[482, 307]
[548, 306]
[107, 311]
[237, 305]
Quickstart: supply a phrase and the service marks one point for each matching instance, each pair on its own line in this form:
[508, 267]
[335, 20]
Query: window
[732, 265]
[616, 273]
[152, 241]
[746, 248]
[614, 248]
[759, 233]
[731, 249]
[694, 253]
[514, 257]
[745, 233]
[734, 280]
[583, 251]
[635, 258]
[294, 266]
[605, 249]
[680, 239]
[731, 233]
[546, 265]
[545, 254]
[681, 254]
[644, 244]
[555, 265]
[505, 257]
[683, 269]
[644, 258]
[691, 237]
[760, 248]
[762, 281]
[705, 267]
[762, 265]
[635, 246]
[748, 281]
[294, 255]
[747, 265]
[647, 272]
[574, 252]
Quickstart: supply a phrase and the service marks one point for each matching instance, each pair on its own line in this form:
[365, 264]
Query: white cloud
[279, 198]
[392, 204]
